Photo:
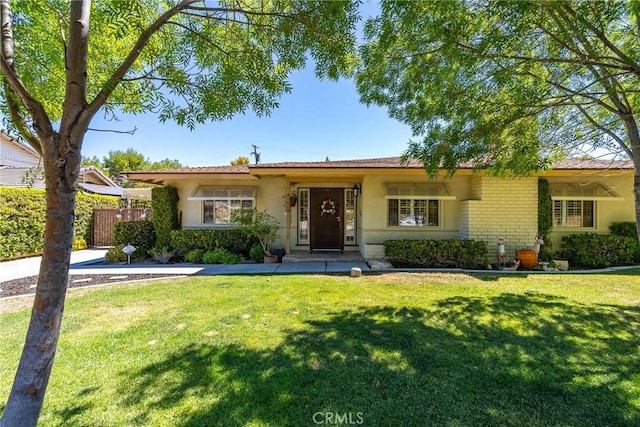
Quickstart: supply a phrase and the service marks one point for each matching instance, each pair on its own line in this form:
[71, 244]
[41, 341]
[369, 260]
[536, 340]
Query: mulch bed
[26, 285]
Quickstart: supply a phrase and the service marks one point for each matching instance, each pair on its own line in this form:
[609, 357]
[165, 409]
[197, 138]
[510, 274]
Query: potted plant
[261, 225]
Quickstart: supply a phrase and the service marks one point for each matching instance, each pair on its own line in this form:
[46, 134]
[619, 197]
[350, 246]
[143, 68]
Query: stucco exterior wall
[269, 197]
[501, 207]
[606, 212]
[373, 212]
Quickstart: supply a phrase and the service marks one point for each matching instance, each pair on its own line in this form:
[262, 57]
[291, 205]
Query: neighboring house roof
[251, 171]
[13, 153]
[93, 175]
[101, 189]
[21, 166]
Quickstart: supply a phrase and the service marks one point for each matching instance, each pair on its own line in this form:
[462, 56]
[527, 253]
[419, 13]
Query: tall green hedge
[469, 254]
[545, 211]
[164, 202]
[136, 233]
[22, 219]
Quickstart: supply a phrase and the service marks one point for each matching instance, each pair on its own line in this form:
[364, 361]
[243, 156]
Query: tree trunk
[61, 155]
[30, 383]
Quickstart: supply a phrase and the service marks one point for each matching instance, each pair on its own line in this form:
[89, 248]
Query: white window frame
[304, 213]
[409, 193]
[410, 203]
[229, 195]
[350, 204]
[564, 213]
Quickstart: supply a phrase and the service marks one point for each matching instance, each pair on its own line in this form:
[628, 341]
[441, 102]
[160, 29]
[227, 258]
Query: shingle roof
[385, 162]
[379, 163]
[205, 169]
[593, 164]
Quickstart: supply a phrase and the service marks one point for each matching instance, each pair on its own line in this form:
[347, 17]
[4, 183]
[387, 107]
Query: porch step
[305, 256]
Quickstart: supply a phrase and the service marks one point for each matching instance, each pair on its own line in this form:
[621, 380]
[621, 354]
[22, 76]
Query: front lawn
[387, 350]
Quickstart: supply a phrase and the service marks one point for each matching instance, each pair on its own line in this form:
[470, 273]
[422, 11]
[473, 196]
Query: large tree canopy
[512, 85]
[186, 60]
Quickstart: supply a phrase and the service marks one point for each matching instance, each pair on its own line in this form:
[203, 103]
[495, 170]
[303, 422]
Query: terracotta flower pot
[528, 258]
[271, 259]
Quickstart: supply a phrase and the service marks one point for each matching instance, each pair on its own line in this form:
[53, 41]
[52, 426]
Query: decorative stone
[356, 272]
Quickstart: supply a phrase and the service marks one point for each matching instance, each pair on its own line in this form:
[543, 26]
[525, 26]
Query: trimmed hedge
[590, 250]
[545, 211]
[469, 254]
[22, 219]
[624, 229]
[164, 203]
[235, 241]
[138, 233]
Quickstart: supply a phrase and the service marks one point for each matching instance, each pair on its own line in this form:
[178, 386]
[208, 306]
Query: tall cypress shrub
[545, 211]
[164, 202]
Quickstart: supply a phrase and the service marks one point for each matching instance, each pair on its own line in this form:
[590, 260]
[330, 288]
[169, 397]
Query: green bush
[164, 203]
[22, 219]
[231, 258]
[235, 241]
[590, 250]
[194, 256]
[215, 256]
[256, 253]
[545, 211]
[469, 254]
[138, 233]
[624, 229]
[115, 254]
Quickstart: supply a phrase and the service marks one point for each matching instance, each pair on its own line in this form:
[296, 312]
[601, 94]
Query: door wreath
[328, 207]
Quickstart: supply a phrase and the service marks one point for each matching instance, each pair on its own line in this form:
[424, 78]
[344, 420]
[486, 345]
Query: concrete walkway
[26, 267]
[84, 262]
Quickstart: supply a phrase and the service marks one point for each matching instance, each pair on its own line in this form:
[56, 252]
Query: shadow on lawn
[508, 360]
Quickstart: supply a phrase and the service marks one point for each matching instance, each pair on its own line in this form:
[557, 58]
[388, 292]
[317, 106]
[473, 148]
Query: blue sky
[318, 119]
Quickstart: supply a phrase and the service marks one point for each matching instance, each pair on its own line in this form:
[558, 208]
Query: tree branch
[605, 130]
[133, 55]
[603, 38]
[13, 84]
[128, 132]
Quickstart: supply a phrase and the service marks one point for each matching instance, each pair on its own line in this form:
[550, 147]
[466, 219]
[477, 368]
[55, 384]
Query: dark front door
[326, 214]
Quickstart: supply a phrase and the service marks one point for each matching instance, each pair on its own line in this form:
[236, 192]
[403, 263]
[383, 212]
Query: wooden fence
[105, 219]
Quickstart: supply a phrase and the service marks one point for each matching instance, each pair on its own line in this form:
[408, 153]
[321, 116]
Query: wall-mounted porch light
[356, 190]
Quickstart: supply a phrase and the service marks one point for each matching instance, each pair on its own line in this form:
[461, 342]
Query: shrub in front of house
[469, 254]
[235, 241]
[256, 253]
[140, 234]
[221, 256]
[624, 229]
[115, 254]
[164, 203]
[590, 250]
[194, 256]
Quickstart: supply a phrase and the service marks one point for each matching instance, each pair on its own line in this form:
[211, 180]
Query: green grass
[388, 350]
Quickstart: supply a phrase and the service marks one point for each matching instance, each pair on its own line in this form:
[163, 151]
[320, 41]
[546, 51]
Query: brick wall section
[501, 207]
